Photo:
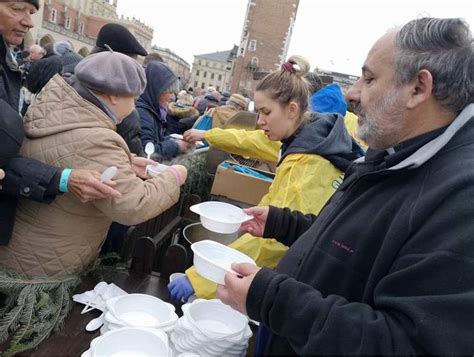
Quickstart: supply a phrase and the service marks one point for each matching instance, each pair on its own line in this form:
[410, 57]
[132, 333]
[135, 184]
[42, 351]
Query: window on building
[212, 75]
[82, 28]
[203, 85]
[195, 84]
[199, 62]
[204, 74]
[253, 45]
[254, 62]
[197, 72]
[220, 77]
[68, 22]
[53, 15]
[207, 63]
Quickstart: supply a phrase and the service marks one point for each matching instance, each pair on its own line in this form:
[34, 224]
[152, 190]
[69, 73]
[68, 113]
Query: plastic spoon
[108, 174]
[149, 149]
[94, 324]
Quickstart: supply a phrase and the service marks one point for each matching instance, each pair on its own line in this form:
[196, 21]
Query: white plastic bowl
[141, 310]
[220, 217]
[154, 170]
[216, 320]
[213, 260]
[130, 342]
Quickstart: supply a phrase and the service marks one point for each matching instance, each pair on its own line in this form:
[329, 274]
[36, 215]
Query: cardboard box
[239, 186]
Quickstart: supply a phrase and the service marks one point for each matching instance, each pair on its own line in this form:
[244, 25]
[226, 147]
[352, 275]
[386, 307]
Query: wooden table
[73, 339]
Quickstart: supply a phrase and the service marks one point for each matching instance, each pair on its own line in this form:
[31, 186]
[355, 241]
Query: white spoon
[149, 149]
[108, 173]
[94, 324]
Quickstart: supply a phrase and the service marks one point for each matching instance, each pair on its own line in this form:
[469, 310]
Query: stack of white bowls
[139, 310]
[210, 328]
[130, 342]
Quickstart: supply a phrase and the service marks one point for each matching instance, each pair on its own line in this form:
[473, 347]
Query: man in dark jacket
[24, 176]
[120, 39]
[387, 268]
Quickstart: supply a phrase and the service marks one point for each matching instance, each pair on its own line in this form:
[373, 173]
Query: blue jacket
[328, 100]
[153, 126]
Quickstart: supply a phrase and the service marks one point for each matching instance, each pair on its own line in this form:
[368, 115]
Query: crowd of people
[363, 241]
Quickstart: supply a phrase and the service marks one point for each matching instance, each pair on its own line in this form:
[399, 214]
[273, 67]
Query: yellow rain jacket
[304, 180]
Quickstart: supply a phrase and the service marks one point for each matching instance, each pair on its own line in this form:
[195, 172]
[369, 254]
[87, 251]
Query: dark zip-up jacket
[387, 268]
[23, 176]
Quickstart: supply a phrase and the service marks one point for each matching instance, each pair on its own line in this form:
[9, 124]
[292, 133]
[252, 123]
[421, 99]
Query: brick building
[79, 21]
[264, 42]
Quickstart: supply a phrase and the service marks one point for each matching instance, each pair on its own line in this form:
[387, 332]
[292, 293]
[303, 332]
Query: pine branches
[32, 309]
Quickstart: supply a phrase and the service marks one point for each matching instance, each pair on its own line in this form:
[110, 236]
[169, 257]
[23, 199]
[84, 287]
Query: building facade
[264, 42]
[179, 66]
[79, 22]
[344, 80]
[213, 69]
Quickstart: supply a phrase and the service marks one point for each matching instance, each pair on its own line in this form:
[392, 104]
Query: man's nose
[27, 21]
[353, 94]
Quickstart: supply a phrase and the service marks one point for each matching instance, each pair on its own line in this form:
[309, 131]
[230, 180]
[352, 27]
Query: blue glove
[181, 289]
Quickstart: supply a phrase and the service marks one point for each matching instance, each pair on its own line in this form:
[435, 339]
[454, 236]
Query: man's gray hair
[444, 47]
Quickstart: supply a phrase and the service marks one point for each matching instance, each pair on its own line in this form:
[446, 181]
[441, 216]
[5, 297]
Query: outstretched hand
[256, 226]
[87, 186]
[193, 135]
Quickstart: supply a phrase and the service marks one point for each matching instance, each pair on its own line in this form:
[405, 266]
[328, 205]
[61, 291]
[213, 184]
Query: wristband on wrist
[63, 181]
[176, 174]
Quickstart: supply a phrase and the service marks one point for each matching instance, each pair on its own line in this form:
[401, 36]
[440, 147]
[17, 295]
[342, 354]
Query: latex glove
[181, 289]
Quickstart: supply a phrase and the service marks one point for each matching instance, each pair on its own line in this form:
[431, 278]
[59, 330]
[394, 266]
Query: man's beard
[381, 126]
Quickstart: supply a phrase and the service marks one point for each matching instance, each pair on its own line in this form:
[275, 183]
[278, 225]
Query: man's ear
[113, 99]
[422, 89]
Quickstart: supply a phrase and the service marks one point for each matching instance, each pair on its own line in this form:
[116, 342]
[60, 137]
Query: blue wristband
[64, 180]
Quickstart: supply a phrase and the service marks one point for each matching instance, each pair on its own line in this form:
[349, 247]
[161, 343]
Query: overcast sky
[332, 34]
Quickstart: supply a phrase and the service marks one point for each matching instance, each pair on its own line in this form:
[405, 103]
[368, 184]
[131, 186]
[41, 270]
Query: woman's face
[165, 98]
[276, 121]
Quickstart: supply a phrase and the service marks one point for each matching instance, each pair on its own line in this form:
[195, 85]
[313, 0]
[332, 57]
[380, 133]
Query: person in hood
[387, 267]
[152, 105]
[315, 151]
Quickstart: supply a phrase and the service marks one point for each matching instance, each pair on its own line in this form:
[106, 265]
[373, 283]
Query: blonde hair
[288, 84]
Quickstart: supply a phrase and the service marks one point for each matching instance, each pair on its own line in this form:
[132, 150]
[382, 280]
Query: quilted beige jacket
[65, 236]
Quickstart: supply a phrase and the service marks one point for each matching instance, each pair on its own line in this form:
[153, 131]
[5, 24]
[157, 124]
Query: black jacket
[387, 268]
[24, 177]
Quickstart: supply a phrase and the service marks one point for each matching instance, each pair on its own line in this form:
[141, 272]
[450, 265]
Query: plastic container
[154, 170]
[130, 342]
[220, 217]
[213, 260]
[141, 310]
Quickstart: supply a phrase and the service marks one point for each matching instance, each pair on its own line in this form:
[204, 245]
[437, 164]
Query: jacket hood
[324, 135]
[182, 112]
[328, 100]
[46, 117]
[427, 151]
[158, 78]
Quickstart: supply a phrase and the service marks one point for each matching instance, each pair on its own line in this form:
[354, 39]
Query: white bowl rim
[203, 242]
[197, 209]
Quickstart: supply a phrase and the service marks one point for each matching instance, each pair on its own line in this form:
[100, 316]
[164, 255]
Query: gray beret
[111, 73]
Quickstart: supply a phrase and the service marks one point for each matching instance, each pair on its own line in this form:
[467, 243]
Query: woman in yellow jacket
[312, 152]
